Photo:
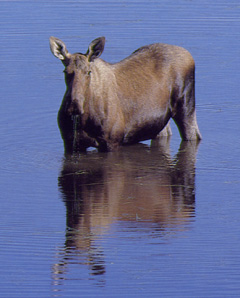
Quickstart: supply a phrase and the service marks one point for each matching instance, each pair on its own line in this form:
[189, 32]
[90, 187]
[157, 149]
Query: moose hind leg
[188, 127]
[185, 115]
[166, 131]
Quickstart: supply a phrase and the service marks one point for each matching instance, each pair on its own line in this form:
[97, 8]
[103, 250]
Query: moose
[109, 105]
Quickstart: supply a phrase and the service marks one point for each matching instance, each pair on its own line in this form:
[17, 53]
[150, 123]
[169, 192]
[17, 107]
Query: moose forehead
[76, 62]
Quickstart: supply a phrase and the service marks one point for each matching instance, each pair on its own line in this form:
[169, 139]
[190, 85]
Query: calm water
[158, 221]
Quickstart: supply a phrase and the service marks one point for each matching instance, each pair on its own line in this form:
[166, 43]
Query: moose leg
[188, 127]
[185, 114]
[166, 131]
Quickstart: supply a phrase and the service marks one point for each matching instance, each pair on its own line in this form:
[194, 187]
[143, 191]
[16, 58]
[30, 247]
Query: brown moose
[107, 105]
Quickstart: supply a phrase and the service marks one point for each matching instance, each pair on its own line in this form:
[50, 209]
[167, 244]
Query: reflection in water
[139, 185]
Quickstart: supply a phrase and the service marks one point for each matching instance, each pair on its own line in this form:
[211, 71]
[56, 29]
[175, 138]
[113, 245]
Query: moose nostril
[73, 108]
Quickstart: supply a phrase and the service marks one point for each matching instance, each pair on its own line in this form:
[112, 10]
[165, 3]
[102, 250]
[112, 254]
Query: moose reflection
[137, 185]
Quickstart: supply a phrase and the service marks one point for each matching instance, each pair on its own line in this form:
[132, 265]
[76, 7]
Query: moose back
[108, 105]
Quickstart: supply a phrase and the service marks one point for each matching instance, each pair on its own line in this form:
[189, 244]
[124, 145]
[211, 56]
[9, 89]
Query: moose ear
[58, 48]
[95, 48]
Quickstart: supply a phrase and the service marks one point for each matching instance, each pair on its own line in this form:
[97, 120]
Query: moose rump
[107, 105]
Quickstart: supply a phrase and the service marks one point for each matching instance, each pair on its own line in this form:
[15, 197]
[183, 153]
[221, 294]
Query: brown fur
[107, 105]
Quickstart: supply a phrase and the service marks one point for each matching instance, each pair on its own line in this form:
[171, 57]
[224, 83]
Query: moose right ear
[58, 48]
[95, 48]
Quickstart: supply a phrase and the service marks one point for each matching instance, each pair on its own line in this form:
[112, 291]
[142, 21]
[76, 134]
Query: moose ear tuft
[95, 48]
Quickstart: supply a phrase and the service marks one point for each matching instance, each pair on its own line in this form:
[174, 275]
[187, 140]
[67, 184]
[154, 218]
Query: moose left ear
[95, 48]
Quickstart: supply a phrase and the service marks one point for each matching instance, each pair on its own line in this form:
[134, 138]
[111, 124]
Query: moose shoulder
[107, 105]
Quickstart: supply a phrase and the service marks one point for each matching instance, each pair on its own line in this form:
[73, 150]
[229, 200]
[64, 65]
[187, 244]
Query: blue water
[144, 222]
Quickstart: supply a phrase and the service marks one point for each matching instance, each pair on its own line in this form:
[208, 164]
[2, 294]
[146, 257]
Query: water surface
[160, 220]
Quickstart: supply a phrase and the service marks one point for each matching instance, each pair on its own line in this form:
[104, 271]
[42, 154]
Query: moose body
[107, 105]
